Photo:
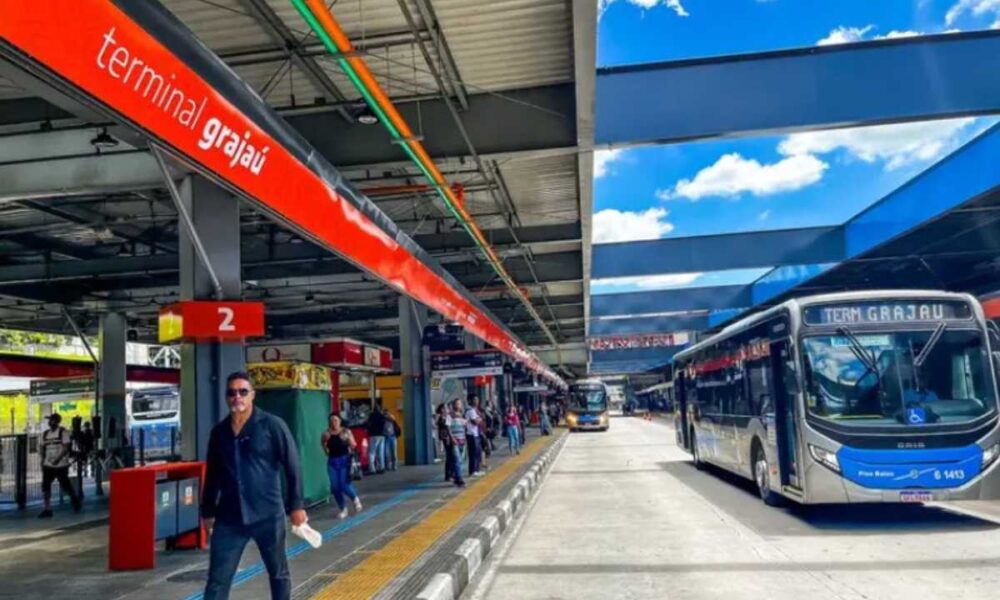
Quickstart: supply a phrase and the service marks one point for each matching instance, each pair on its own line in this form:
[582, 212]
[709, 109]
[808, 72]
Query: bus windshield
[154, 406]
[589, 399]
[899, 378]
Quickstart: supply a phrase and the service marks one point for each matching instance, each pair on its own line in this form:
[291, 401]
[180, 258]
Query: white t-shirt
[54, 445]
[472, 422]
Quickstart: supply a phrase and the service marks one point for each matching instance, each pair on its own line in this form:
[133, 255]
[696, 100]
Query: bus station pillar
[111, 381]
[204, 366]
[415, 367]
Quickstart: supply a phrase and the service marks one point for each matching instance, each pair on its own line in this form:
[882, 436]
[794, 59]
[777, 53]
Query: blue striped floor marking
[248, 573]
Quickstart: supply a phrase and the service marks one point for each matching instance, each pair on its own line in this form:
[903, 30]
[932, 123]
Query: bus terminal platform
[408, 515]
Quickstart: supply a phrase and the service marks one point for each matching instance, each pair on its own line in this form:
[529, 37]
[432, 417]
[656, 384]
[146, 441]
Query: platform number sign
[199, 321]
[226, 315]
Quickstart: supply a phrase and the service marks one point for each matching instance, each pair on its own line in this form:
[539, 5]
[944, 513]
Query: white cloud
[611, 225]
[764, 215]
[603, 160]
[649, 281]
[674, 5]
[733, 175]
[845, 35]
[898, 145]
[892, 35]
[977, 8]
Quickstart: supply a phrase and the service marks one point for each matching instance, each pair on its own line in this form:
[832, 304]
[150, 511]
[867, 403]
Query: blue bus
[875, 396]
[154, 415]
[587, 406]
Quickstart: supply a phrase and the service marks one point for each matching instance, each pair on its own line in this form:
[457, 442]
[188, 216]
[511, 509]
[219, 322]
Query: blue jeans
[513, 439]
[339, 470]
[453, 463]
[390, 452]
[376, 453]
[228, 543]
[475, 452]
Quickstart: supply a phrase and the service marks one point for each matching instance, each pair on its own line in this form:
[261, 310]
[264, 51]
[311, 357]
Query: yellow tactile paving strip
[375, 572]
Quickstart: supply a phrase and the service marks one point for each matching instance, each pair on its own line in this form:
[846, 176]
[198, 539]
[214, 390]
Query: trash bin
[152, 503]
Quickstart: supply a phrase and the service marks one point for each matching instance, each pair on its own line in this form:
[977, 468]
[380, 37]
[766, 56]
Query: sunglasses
[241, 392]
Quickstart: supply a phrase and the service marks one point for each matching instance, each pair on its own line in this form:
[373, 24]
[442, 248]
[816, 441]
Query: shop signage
[352, 354]
[630, 342]
[197, 321]
[276, 352]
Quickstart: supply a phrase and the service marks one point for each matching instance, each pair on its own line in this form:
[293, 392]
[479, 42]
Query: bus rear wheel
[762, 477]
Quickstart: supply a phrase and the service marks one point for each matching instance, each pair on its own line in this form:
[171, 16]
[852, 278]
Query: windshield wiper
[868, 359]
[931, 342]
[858, 349]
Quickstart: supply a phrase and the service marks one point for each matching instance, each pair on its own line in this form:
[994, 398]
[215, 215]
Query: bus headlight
[571, 419]
[825, 457]
[990, 454]
[604, 418]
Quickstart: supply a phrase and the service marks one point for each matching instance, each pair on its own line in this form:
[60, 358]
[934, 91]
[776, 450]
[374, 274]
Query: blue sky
[817, 178]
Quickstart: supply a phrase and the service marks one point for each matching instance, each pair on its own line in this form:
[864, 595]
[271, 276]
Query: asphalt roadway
[624, 514]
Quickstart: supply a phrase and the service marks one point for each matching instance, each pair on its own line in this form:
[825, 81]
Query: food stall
[299, 393]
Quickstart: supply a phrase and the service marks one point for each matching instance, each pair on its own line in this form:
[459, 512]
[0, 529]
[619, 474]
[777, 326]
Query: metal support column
[111, 382]
[415, 366]
[215, 216]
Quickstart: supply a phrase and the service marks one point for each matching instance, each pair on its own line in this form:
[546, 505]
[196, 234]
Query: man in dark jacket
[250, 454]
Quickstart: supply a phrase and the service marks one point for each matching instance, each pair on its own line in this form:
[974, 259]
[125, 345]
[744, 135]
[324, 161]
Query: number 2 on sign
[227, 314]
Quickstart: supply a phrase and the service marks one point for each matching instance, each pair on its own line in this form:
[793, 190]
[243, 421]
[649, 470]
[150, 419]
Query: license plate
[916, 496]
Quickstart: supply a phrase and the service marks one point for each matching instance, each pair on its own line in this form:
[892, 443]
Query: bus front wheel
[762, 477]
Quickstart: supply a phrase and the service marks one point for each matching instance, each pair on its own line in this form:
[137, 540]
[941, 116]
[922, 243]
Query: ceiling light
[104, 140]
[366, 116]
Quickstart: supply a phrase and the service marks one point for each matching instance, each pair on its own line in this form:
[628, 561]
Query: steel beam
[849, 85]
[515, 121]
[719, 252]
[661, 324]
[652, 303]
[79, 175]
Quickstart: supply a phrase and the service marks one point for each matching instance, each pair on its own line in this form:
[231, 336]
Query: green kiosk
[299, 393]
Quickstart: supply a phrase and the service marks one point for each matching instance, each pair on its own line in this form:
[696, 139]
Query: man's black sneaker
[45, 514]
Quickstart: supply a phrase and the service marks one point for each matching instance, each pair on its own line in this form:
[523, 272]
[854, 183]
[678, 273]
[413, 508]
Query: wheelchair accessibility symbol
[916, 416]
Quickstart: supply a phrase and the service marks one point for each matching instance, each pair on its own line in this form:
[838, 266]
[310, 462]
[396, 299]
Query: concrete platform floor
[624, 515]
[66, 557]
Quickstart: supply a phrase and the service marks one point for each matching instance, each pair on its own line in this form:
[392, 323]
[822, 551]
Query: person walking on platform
[473, 428]
[339, 445]
[544, 426]
[452, 460]
[513, 424]
[459, 430]
[522, 417]
[376, 441]
[392, 433]
[56, 446]
[253, 479]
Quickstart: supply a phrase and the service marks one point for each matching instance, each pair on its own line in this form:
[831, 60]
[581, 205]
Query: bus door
[783, 381]
[680, 412]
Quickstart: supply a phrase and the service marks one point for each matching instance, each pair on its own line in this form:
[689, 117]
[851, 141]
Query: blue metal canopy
[868, 83]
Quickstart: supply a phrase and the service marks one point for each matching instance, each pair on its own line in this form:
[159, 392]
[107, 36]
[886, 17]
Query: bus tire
[762, 477]
[695, 454]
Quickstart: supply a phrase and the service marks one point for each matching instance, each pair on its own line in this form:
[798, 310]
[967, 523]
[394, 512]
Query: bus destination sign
[886, 312]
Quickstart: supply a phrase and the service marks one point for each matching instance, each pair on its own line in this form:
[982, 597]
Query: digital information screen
[886, 312]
